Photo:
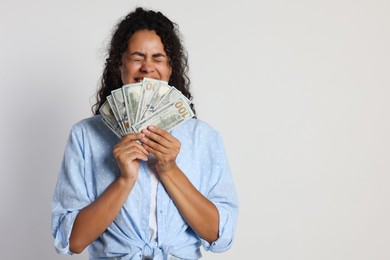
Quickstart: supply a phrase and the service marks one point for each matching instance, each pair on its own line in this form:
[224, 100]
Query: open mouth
[138, 80]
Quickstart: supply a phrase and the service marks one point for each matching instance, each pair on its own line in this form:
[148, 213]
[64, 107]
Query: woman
[153, 194]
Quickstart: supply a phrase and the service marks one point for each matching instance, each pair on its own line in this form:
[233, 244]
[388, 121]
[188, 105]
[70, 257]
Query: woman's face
[145, 57]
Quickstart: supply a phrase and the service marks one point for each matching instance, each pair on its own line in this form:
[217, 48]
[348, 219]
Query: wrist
[167, 172]
[126, 181]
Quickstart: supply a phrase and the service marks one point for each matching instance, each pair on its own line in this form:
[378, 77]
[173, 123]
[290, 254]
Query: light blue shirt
[89, 167]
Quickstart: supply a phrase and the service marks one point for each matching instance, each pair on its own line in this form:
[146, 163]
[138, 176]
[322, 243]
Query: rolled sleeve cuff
[225, 233]
[61, 239]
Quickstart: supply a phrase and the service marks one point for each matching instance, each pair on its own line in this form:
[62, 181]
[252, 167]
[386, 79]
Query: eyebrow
[156, 55]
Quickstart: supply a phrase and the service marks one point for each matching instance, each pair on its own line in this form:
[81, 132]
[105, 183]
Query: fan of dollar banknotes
[135, 106]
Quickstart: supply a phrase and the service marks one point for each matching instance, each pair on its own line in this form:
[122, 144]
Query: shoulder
[193, 128]
[92, 133]
[88, 124]
[92, 128]
[198, 133]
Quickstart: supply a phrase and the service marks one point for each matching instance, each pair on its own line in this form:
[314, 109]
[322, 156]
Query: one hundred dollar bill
[168, 117]
[109, 119]
[150, 102]
[171, 96]
[119, 101]
[159, 95]
[132, 94]
[149, 88]
[118, 134]
[114, 111]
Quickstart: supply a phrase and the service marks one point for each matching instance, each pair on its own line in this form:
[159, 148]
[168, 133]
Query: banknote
[135, 106]
[156, 103]
[119, 101]
[109, 118]
[149, 88]
[158, 95]
[171, 96]
[168, 117]
[118, 134]
[132, 94]
[114, 112]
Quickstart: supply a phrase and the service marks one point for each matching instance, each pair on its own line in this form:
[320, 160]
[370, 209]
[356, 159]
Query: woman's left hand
[163, 146]
[199, 212]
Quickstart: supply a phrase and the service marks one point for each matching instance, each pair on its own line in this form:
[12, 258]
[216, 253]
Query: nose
[147, 66]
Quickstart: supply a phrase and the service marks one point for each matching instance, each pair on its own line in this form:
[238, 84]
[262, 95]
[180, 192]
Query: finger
[128, 148]
[161, 132]
[150, 149]
[132, 149]
[138, 155]
[132, 137]
[131, 155]
[130, 141]
[153, 145]
[159, 139]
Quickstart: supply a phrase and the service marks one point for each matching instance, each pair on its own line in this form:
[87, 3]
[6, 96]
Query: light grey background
[298, 89]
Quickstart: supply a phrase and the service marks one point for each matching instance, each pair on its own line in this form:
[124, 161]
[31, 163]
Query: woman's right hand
[128, 153]
[94, 219]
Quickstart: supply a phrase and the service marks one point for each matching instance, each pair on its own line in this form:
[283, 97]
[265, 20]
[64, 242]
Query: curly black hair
[141, 19]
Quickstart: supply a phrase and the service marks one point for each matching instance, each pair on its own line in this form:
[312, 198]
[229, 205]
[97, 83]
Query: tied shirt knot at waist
[151, 251]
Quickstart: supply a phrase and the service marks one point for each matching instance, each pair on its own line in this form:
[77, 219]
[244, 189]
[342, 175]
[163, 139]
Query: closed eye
[140, 57]
[159, 57]
[137, 59]
[137, 56]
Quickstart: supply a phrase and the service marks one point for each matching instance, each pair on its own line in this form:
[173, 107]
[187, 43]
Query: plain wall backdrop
[299, 90]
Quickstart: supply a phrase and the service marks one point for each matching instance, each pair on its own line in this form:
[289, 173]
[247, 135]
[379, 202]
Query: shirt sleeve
[70, 194]
[223, 194]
